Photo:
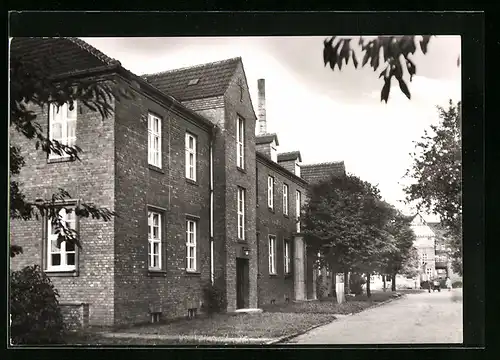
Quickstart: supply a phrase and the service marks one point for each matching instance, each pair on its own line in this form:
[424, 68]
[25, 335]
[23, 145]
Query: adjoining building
[201, 197]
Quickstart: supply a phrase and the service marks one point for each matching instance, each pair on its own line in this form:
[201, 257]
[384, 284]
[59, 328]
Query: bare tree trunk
[385, 285]
[346, 282]
[368, 291]
[393, 286]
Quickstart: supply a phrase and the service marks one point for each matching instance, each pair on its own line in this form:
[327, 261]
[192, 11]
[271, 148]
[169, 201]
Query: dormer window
[274, 153]
[193, 82]
[297, 169]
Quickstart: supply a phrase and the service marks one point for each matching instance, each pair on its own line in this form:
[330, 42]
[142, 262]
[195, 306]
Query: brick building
[201, 197]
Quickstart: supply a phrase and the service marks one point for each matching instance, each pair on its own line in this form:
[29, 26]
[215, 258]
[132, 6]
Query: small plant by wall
[34, 308]
[214, 299]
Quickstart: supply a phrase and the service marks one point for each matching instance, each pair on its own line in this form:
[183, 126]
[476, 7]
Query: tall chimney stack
[262, 129]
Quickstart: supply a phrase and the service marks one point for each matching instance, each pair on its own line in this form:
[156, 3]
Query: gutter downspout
[212, 207]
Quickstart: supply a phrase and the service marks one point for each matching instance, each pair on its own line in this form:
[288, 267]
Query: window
[154, 140]
[285, 199]
[297, 169]
[241, 213]
[190, 156]
[154, 240]
[191, 245]
[274, 153]
[297, 209]
[270, 192]
[62, 258]
[62, 127]
[240, 143]
[424, 258]
[286, 253]
[272, 254]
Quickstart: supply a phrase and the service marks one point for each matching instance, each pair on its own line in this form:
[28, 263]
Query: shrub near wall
[34, 309]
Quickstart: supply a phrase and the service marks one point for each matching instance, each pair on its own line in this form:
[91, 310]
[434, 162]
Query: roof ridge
[93, 51]
[325, 163]
[289, 152]
[218, 62]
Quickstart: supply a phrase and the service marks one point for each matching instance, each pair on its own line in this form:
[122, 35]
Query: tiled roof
[314, 173]
[208, 80]
[287, 156]
[61, 55]
[437, 228]
[266, 139]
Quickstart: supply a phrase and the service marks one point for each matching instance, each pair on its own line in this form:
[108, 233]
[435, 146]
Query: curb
[288, 337]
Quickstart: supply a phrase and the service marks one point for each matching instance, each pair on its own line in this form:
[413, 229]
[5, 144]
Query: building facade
[200, 197]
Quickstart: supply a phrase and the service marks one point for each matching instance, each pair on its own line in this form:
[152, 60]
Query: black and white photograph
[222, 190]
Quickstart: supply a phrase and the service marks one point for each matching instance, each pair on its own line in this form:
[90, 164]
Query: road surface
[417, 318]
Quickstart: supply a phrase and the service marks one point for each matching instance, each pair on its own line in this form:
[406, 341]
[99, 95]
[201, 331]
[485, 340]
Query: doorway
[242, 283]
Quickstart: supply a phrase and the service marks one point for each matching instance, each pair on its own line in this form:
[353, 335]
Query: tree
[436, 172]
[344, 221]
[402, 254]
[396, 52]
[33, 84]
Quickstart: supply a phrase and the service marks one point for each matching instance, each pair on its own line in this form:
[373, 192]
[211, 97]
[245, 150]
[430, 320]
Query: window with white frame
[297, 169]
[270, 192]
[191, 245]
[154, 140]
[287, 256]
[424, 258]
[190, 156]
[154, 241]
[241, 213]
[272, 254]
[240, 142]
[62, 258]
[285, 199]
[297, 209]
[62, 126]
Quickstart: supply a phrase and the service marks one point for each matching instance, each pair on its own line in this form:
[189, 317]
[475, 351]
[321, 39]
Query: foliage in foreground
[34, 308]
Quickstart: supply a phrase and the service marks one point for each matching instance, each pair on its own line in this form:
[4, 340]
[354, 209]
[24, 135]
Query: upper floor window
[241, 213]
[62, 257]
[285, 199]
[240, 143]
[297, 208]
[190, 156]
[270, 192]
[191, 245]
[154, 241]
[154, 140]
[62, 126]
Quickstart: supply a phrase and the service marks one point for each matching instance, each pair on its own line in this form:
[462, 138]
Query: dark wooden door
[242, 283]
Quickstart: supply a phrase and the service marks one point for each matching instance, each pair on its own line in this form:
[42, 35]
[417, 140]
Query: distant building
[433, 253]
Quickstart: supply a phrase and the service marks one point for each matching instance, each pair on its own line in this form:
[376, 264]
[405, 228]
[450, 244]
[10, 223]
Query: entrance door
[242, 283]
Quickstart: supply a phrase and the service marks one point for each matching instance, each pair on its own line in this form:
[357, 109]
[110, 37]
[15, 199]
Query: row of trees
[354, 230]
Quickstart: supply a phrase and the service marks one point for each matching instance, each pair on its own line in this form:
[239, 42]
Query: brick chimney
[261, 111]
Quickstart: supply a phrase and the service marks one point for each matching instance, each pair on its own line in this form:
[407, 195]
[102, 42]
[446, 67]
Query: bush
[424, 284]
[356, 283]
[35, 313]
[215, 299]
[457, 284]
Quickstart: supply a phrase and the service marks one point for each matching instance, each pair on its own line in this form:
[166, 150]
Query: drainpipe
[212, 208]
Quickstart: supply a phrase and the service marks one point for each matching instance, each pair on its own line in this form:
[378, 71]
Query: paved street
[418, 318]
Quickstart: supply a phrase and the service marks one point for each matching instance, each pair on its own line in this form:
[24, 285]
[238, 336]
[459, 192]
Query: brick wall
[172, 291]
[239, 106]
[91, 180]
[273, 222]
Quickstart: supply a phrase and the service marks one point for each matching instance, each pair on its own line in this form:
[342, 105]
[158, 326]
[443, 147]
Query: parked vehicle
[436, 285]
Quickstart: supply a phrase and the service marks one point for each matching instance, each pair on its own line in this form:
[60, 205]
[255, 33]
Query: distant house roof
[314, 173]
[287, 156]
[437, 228]
[195, 82]
[61, 56]
[266, 139]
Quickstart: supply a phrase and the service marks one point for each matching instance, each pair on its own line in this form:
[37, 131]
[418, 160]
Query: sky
[327, 115]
